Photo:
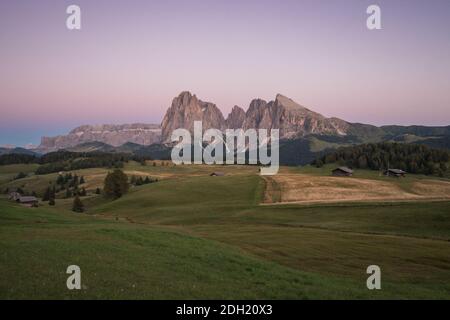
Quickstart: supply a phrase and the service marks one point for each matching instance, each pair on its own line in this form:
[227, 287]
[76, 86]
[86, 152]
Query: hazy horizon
[131, 58]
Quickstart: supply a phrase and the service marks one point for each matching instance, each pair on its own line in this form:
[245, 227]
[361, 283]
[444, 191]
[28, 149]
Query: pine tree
[116, 184]
[60, 180]
[98, 191]
[75, 181]
[319, 163]
[20, 175]
[77, 205]
[47, 194]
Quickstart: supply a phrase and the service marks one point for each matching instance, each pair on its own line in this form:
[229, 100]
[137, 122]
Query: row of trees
[63, 156]
[139, 181]
[17, 158]
[108, 162]
[70, 181]
[67, 161]
[376, 156]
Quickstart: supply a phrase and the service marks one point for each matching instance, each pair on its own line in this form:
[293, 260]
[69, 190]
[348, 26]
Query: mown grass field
[195, 236]
[308, 185]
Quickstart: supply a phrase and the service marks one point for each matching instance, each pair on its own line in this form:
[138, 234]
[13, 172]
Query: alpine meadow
[216, 158]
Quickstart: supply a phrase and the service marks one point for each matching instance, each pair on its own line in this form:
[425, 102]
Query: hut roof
[27, 199]
[217, 174]
[396, 171]
[345, 169]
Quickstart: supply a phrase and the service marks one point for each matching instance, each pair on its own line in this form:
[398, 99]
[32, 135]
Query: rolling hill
[192, 236]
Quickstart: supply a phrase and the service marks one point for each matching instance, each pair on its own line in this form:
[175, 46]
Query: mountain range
[303, 132]
[114, 135]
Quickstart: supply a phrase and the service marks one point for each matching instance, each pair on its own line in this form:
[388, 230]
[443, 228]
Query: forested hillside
[377, 156]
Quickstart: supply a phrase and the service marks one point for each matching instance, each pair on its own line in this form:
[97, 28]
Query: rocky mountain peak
[292, 119]
[186, 109]
[293, 106]
[282, 98]
[236, 118]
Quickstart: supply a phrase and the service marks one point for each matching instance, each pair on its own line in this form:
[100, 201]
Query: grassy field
[195, 236]
[7, 173]
[309, 184]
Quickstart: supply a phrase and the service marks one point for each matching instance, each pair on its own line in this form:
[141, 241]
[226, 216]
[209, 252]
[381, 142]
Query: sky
[132, 57]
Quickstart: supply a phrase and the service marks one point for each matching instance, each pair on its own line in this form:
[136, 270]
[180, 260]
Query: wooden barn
[28, 201]
[396, 173]
[342, 172]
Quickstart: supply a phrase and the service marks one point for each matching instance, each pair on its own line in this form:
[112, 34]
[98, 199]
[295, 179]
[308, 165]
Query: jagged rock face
[236, 118]
[186, 109]
[292, 119]
[114, 135]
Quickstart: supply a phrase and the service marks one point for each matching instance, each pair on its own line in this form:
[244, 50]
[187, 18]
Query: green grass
[189, 170]
[404, 183]
[8, 172]
[188, 199]
[409, 240]
[39, 183]
[317, 145]
[419, 219]
[195, 236]
[126, 261]
[16, 168]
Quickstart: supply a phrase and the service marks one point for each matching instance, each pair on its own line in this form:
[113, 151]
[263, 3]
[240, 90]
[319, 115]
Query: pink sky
[132, 57]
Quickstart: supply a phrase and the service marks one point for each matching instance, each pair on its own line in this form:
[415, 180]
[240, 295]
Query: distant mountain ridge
[96, 146]
[301, 129]
[16, 150]
[114, 135]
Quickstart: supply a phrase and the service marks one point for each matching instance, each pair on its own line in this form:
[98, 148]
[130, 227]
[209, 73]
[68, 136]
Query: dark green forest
[411, 158]
[66, 161]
